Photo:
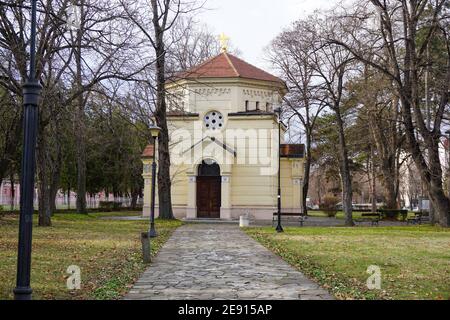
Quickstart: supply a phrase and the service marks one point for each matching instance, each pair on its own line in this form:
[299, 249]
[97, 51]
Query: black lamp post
[279, 227]
[154, 131]
[31, 93]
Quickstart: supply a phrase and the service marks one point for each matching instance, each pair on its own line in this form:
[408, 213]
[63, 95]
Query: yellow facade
[245, 147]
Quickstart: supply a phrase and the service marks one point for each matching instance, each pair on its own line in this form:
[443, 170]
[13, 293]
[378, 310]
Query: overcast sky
[252, 24]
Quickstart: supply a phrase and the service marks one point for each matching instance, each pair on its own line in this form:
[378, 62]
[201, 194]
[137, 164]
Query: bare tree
[10, 128]
[332, 65]
[317, 71]
[155, 19]
[380, 110]
[190, 45]
[13, 66]
[101, 47]
[389, 41]
[291, 55]
[103, 43]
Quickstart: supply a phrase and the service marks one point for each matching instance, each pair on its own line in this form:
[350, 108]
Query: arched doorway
[209, 189]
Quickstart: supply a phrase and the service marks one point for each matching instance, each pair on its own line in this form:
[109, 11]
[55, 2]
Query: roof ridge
[231, 63]
[243, 61]
[226, 65]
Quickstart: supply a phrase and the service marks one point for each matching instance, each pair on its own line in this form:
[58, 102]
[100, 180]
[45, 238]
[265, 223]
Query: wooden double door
[209, 196]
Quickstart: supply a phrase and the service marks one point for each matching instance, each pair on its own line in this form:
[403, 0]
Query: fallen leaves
[107, 251]
[411, 259]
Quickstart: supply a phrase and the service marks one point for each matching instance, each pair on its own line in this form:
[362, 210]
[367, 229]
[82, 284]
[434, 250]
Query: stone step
[210, 221]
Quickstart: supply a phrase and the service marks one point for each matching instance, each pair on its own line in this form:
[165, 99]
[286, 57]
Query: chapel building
[224, 144]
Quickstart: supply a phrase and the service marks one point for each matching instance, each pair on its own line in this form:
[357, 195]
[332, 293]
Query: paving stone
[219, 261]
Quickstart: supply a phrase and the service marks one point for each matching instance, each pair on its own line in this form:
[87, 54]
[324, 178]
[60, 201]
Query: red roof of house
[226, 65]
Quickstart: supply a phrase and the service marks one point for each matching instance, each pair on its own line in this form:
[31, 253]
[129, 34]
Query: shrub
[1, 208]
[393, 214]
[329, 205]
[106, 205]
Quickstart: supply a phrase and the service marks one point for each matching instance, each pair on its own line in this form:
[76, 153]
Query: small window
[268, 107]
[257, 105]
[246, 105]
[214, 120]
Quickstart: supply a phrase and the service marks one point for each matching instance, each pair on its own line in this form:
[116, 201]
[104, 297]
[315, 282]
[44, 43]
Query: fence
[63, 202]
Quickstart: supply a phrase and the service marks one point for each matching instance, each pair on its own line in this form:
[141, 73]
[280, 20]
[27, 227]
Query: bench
[301, 216]
[419, 218]
[373, 218]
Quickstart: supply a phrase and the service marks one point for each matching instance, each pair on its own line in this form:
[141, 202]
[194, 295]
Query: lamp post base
[152, 233]
[279, 229]
[22, 293]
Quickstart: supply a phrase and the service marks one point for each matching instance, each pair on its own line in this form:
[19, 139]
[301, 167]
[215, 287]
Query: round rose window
[214, 120]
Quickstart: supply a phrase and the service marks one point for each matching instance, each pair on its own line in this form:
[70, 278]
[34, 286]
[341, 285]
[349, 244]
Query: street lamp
[31, 93]
[279, 227]
[154, 131]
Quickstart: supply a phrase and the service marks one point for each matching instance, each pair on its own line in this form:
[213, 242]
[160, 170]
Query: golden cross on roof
[223, 42]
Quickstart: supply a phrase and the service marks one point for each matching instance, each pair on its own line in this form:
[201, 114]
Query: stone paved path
[205, 262]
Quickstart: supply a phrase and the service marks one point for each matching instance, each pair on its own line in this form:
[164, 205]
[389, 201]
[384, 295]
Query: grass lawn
[108, 253]
[414, 261]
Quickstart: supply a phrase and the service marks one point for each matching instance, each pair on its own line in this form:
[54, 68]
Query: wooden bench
[301, 216]
[419, 218]
[373, 218]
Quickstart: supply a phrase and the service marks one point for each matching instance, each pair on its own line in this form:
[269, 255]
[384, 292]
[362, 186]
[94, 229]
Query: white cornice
[241, 82]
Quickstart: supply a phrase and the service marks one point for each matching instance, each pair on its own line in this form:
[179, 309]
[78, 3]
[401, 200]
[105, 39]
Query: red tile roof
[292, 150]
[148, 152]
[226, 65]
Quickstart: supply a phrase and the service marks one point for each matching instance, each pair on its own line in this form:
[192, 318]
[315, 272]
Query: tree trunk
[10, 147]
[13, 192]
[56, 175]
[385, 136]
[374, 180]
[346, 179]
[134, 197]
[390, 193]
[44, 206]
[68, 196]
[164, 181]
[388, 168]
[441, 206]
[80, 131]
[81, 161]
[43, 190]
[431, 174]
[3, 167]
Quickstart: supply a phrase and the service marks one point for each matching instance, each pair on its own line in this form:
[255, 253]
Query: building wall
[250, 192]
[227, 95]
[249, 178]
